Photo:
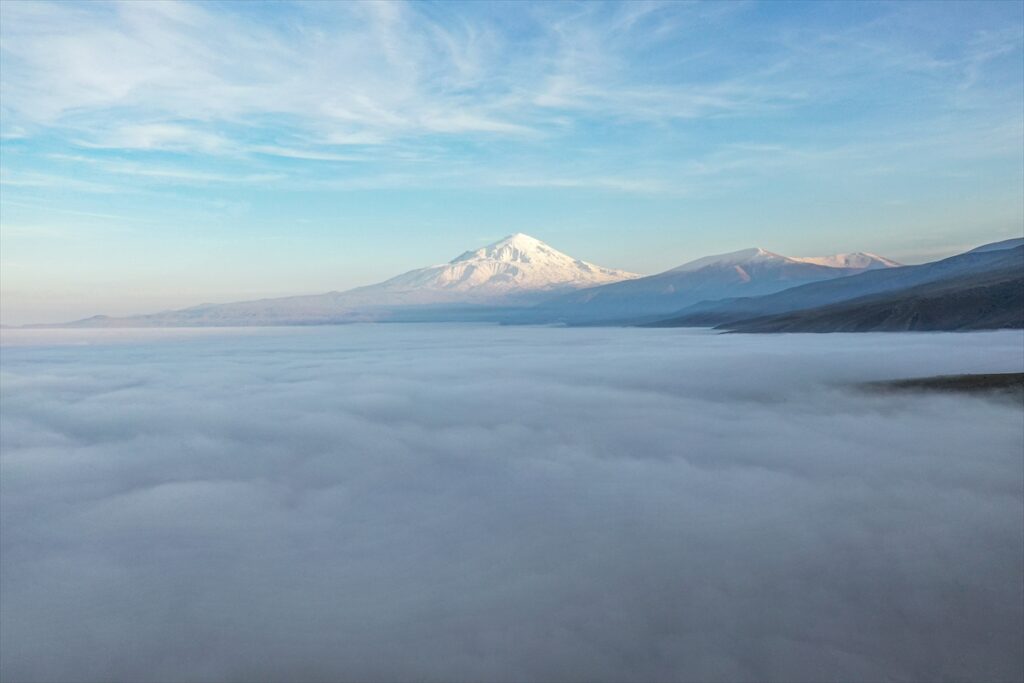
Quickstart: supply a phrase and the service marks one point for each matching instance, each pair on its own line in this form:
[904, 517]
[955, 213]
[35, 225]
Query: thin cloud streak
[180, 174]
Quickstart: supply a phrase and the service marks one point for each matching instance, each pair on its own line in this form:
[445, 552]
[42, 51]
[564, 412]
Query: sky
[157, 155]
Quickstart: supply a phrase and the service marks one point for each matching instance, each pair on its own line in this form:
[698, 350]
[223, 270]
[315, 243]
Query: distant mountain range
[522, 280]
[750, 272]
[979, 289]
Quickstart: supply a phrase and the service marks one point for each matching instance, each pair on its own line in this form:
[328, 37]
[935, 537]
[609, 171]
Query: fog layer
[398, 502]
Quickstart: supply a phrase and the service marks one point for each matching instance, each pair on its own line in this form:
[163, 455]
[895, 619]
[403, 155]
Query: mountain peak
[858, 260]
[519, 239]
[518, 247]
[732, 258]
[515, 265]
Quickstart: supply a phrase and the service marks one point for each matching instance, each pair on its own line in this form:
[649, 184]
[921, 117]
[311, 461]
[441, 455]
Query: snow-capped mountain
[743, 257]
[978, 289]
[515, 271]
[748, 272]
[515, 266]
[860, 260]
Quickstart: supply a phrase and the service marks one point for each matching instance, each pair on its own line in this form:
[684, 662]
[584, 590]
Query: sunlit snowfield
[399, 502]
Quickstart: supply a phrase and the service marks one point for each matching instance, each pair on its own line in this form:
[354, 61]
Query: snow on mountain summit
[733, 258]
[858, 259]
[518, 247]
[516, 264]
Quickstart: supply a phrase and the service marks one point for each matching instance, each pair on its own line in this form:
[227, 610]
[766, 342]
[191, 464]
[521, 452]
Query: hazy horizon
[15, 321]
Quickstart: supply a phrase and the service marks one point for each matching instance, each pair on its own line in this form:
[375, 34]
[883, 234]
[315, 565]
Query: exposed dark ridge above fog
[1001, 386]
[984, 301]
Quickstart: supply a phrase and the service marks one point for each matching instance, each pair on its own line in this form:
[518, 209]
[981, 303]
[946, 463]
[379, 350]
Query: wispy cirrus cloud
[631, 185]
[221, 80]
[165, 172]
[307, 154]
[347, 70]
[55, 182]
[157, 137]
[361, 71]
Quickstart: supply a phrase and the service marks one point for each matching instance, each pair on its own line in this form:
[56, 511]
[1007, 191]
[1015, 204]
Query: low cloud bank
[399, 502]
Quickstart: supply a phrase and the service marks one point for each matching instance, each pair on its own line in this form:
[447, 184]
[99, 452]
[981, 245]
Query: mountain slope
[515, 271]
[1011, 243]
[967, 302]
[752, 271]
[985, 259]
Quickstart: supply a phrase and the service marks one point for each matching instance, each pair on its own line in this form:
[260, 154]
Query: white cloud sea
[398, 502]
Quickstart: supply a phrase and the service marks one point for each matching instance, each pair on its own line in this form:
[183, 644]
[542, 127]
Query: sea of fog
[485, 503]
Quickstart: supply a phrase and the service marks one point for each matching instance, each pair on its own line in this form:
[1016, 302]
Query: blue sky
[159, 155]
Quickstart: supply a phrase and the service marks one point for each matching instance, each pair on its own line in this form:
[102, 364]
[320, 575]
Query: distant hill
[983, 260]
[999, 246]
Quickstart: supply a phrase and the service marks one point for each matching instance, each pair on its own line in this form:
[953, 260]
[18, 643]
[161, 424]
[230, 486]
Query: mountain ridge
[517, 262]
[752, 271]
[982, 301]
[857, 259]
[721, 312]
